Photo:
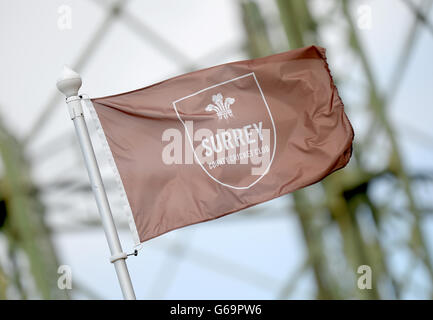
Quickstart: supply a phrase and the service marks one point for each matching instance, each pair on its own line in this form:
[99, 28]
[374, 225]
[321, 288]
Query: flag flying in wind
[211, 142]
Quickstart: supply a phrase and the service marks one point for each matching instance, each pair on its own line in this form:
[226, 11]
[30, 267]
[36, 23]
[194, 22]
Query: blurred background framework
[309, 244]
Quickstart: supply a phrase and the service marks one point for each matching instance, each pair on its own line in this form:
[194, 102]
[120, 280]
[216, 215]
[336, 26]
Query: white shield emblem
[233, 136]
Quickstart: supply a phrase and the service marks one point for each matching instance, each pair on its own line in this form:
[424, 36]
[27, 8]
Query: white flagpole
[69, 84]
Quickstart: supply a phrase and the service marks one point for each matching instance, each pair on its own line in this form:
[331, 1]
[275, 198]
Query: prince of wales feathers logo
[221, 108]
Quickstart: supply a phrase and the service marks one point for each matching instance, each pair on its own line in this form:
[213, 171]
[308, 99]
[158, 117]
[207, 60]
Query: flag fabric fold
[211, 142]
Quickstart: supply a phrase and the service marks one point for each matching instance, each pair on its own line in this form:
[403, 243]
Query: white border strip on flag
[110, 158]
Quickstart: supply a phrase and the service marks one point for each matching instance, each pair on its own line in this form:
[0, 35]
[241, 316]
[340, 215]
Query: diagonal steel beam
[145, 31]
[83, 58]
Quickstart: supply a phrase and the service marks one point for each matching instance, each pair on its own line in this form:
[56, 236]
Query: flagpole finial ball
[69, 82]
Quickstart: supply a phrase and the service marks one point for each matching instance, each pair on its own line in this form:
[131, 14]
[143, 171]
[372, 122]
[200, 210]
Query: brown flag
[208, 143]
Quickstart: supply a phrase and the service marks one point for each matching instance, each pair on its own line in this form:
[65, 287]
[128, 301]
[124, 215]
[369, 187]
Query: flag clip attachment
[122, 255]
[75, 109]
[135, 253]
[118, 256]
